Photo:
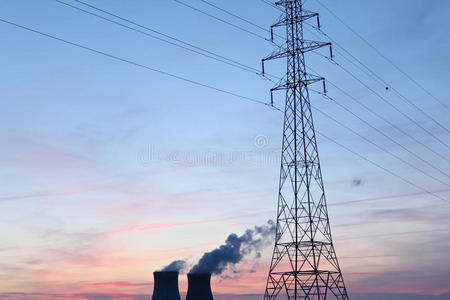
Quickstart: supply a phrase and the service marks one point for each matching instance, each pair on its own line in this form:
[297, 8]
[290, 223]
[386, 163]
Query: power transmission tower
[304, 263]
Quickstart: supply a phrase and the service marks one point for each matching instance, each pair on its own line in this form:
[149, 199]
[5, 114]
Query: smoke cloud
[232, 252]
[235, 249]
[175, 266]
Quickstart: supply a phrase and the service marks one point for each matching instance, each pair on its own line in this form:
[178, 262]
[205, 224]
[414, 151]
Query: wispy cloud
[156, 226]
[80, 296]
[421, 214]
[117, 284]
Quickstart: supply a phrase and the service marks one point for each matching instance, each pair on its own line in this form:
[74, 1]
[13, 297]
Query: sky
[110, 171]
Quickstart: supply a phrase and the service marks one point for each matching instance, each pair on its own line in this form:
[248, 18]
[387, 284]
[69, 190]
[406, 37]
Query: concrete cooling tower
[166, 286]
[199, 287]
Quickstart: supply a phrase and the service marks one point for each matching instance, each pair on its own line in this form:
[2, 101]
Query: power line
[271, 4]
[311, 89]
[403, 98]
[212, 88]
[390, 255]
[242, 19]
[222, 20]
[379, 147]
[138, 64]
[378, 78]
[336, 120]
[395, 234]
[236, 16]
[381, 132]
[115, 15]
[234, 64]
[368, 73]
[384, 119]
[383, 168]
[383, 56]
[394, 107]
[209, 54]
[385, 197]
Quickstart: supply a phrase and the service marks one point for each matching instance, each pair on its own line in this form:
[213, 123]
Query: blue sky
[119, 170]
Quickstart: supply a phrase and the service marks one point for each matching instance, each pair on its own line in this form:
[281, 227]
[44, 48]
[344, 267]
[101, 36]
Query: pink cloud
[78, 296]
[156, 226]
[116, 284]
[31, 150]
[51, 273]
[5, 249]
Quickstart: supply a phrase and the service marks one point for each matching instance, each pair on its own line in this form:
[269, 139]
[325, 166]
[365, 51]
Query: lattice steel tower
[304, 264]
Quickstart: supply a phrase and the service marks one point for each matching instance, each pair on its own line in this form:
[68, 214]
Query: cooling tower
[165, 286]
[199, 287]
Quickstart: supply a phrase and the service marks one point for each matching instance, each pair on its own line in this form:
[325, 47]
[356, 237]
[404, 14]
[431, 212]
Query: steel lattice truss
[304, 263]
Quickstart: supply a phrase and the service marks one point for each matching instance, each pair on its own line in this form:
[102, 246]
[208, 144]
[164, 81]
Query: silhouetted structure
[304, 263]
[199, 287]
[165, 286]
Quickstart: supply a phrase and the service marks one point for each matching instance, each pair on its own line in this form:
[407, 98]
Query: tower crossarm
[285, 85]
[308, 46]
[310, 79]
[304, 17]
[280, 53]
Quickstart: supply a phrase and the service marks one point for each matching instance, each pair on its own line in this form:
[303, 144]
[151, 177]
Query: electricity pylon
[304, 263]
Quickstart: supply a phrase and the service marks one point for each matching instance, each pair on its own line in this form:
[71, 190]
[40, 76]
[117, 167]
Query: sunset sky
[110, 171]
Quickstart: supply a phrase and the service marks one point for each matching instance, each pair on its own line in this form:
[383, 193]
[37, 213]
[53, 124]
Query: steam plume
[235, 249]
[231, 253]
[175, 266]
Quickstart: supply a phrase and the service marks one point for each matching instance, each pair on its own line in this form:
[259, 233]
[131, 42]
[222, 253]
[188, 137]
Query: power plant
[199, 286]
[166, 286]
